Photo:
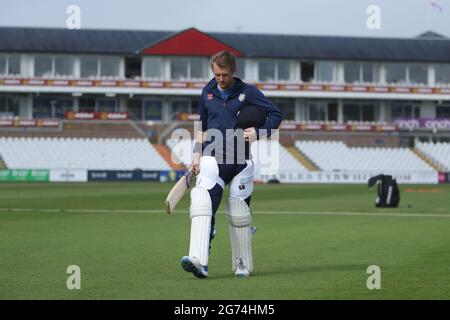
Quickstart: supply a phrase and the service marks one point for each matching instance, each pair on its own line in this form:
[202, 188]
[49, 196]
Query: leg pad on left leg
[239, 221]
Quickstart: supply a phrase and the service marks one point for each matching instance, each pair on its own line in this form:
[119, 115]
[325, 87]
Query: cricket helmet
[251, 116]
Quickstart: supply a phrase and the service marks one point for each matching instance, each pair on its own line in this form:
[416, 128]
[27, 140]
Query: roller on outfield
[178, 190]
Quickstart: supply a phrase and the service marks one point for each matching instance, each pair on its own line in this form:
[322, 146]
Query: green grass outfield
[313, 242]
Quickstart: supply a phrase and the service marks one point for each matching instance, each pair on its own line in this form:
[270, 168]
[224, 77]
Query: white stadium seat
[438, 152]
[182, 150]
[80, 153]
[270, 157]
[335, 155]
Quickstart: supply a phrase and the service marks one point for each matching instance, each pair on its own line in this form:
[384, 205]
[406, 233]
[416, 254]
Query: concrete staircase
[167, 156]
[436, 166]
[297, 154]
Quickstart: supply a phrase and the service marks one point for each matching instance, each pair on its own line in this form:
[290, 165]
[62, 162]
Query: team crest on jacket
[242, 97]
[209, 96]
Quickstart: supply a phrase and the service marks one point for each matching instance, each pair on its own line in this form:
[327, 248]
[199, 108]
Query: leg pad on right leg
[201, 214]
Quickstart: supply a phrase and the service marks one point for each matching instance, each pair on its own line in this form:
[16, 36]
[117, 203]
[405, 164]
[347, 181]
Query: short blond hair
[224, 59]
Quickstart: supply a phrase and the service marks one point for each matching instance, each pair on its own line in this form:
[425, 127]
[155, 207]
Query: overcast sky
[398, 18]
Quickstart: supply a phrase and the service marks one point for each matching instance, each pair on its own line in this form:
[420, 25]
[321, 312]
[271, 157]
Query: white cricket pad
[239, 221]
[200, 213]
[241, 186]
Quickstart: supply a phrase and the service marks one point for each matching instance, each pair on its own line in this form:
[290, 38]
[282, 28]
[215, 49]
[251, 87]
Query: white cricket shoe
[241, 270]
[242, 273]
[193, 265]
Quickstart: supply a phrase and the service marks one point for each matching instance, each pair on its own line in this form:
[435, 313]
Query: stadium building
[352, 94]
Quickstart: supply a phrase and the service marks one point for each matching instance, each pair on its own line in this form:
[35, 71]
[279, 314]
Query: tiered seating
[182, 150]
[79, 153]
[438, 152]
[335, 155]
[270, 157]
[326, 155]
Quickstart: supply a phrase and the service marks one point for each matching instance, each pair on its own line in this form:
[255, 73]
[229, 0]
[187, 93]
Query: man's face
[223, 76]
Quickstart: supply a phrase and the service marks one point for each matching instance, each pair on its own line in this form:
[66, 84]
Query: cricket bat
[178, 190]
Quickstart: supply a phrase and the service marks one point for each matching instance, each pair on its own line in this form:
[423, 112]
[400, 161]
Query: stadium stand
[80, 153]
[264, 155]
[335, 155]
[438, 152]
[181, 150]
[166, 154]
[151, 88]
[308, 164]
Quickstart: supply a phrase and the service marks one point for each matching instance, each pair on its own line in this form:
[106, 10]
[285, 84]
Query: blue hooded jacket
[220, 114]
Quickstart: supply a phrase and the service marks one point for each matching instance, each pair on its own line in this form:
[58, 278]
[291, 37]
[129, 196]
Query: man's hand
[196, 164]
[250, 134]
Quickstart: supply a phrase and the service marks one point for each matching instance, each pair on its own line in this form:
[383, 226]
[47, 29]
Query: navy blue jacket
[216, 113]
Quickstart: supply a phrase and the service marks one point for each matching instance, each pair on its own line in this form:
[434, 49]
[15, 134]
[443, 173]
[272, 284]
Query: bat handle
[188, 175]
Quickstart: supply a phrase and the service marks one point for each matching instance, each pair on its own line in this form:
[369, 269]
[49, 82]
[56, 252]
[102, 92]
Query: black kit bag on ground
[388, 191]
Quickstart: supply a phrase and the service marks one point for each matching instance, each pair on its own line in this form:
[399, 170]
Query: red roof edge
[189, 42]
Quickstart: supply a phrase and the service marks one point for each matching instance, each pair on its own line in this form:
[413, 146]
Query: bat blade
[178, 190]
